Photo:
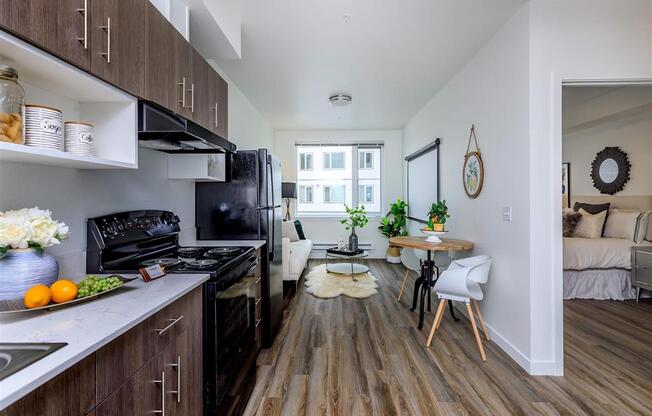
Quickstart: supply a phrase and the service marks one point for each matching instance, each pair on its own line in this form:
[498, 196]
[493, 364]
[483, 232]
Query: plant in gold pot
[393, 225]
[437, 216]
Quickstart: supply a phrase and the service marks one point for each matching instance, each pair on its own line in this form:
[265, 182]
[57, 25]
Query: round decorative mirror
[610, 170]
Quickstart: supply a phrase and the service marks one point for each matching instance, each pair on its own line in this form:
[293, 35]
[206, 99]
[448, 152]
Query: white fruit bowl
[433, 236]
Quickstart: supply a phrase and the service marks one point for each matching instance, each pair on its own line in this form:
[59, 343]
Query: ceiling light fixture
[340, 100]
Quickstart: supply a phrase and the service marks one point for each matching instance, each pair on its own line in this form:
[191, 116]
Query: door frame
[557, 247]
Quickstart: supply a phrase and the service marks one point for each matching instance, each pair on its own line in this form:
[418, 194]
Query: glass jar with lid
[12, 101]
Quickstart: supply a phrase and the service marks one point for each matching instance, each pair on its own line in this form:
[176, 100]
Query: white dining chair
[461, 282]
[411, 263]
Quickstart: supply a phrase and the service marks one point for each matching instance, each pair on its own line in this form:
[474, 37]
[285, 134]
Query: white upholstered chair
[411, 262]
[461, 282]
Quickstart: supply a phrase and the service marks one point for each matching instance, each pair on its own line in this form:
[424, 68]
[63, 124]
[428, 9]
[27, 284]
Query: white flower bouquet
[30, 228]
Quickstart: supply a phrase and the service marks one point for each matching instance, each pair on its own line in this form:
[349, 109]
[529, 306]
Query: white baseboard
[533, 368]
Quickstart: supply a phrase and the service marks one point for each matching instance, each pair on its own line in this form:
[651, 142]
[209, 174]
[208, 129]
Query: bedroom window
[331, 175]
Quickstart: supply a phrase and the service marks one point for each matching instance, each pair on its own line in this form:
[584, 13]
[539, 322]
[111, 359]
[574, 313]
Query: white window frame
[362, 190]
[304, 156]
[334, 202]
[330, 160]
[362, 155]
[303, 193]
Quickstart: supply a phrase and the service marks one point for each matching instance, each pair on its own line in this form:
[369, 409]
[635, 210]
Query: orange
[63, 290]
[37, 296]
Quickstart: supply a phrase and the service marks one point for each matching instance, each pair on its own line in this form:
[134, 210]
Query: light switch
[507, 213]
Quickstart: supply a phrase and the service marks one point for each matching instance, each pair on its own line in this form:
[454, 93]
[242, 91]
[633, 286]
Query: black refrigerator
[248, 207]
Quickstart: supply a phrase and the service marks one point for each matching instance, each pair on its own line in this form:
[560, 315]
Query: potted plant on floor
[357, 219]
[437, 216]
[393, 225]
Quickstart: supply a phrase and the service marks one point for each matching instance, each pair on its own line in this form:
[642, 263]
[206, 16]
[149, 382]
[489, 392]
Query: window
[366, 160]
[305, 194]
[334, 194]
[305, 161]
[366, 194]
[334, 160]
[329, 176]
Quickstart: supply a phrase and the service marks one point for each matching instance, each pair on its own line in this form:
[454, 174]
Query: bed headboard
[642, 203]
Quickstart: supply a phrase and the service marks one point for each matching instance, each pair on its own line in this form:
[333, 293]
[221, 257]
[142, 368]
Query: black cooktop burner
[163, 262]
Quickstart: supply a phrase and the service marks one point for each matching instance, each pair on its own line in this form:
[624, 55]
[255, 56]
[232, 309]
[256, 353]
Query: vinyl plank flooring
[348, 356]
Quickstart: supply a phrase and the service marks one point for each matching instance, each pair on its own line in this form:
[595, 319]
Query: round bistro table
[429, 270]
[350, 269]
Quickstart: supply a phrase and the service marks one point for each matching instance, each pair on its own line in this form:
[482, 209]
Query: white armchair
[295, 258]
[461, 282]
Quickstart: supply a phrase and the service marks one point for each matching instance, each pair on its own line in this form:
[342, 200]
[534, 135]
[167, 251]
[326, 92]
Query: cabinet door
[200, 90]
[159, 64]
[218, 99]
[182, 74]
[118, 43]
[62, 27]
[71, 393]
[142, 394]
[184, 372]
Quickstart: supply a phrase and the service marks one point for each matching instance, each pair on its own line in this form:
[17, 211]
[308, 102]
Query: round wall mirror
[610, 170]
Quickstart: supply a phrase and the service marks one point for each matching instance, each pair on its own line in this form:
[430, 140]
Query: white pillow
[643, 226]
[621, 224]
[590, 226]
[290, 231]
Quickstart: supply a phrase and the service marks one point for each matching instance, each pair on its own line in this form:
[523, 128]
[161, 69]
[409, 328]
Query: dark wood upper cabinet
[118, 43]
[61, 27]
[200, 95]
[219, 101]
[181, 74]
[159, 59]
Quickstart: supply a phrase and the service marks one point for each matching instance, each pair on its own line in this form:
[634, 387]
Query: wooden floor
[357, 357]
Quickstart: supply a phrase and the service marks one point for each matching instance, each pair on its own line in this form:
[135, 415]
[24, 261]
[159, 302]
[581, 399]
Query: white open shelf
[81, 97]
[197, 167]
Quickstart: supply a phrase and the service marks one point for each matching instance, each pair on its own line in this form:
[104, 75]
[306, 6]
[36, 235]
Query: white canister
[43, 127]
[79, 138]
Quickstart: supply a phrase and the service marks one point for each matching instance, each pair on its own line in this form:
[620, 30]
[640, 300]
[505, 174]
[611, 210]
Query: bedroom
[606, 190]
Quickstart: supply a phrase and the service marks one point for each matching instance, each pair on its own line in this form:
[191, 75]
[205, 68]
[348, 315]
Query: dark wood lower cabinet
[70, 393]
[140, 372]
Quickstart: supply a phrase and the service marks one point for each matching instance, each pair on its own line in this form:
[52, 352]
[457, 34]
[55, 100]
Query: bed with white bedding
[598, 268]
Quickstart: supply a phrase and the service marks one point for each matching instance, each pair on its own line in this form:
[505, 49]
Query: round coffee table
[349, 267]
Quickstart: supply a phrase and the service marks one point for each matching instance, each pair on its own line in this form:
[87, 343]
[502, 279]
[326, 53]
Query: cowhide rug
[323, 284]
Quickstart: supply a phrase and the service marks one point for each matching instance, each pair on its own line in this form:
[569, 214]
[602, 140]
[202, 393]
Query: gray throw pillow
[569, 222]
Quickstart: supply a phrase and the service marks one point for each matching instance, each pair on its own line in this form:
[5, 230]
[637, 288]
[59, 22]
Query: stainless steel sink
[16, 356]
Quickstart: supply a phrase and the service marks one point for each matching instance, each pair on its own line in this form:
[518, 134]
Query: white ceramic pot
[21, 269]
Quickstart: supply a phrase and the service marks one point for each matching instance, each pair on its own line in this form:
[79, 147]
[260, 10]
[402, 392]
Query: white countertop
[226, 243]
[86, 327]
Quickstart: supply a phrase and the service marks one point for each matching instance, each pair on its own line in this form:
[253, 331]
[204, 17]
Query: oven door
[231, 335]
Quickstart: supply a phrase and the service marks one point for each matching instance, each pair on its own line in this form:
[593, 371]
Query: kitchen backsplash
[74, 195]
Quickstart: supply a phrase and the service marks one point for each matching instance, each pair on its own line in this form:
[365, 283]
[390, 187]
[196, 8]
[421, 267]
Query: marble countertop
[226, 243]
[86, 327]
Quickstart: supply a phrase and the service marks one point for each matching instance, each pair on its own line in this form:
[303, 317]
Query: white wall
[491, 91]
[603, 121]
[329, 230]
[569, 40]
[75, 195]
[248, 129]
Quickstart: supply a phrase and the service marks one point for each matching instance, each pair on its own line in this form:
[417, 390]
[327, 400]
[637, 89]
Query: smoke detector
[340, 100]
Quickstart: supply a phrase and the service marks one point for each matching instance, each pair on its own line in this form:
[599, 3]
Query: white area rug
[326, 285]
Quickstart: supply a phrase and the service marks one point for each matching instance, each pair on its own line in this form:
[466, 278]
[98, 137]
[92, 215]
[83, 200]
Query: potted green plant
[437, 216]
[393, 225]
[357, 219]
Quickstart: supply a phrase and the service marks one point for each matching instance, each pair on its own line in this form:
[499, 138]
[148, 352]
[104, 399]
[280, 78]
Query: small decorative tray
[335, 250]
[17, 305]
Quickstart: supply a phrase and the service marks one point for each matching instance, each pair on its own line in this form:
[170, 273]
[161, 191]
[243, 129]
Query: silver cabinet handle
[215, 108]
[162, 383]
[258, 322]
[192, 97]
[177, 365]
[107, 28]
[258, 301]
[84, 11]
[172, 323]
[259, 279]
[182, 84]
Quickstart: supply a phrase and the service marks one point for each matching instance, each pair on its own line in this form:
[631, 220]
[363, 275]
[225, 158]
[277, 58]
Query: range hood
[161, 129]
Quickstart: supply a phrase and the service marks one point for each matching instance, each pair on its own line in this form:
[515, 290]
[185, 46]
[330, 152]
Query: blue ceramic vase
[21, 269]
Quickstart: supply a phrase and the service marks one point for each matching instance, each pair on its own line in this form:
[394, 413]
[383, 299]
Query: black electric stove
[127, 241]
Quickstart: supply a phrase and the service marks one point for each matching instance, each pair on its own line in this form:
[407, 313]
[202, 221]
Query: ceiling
[391, 56]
